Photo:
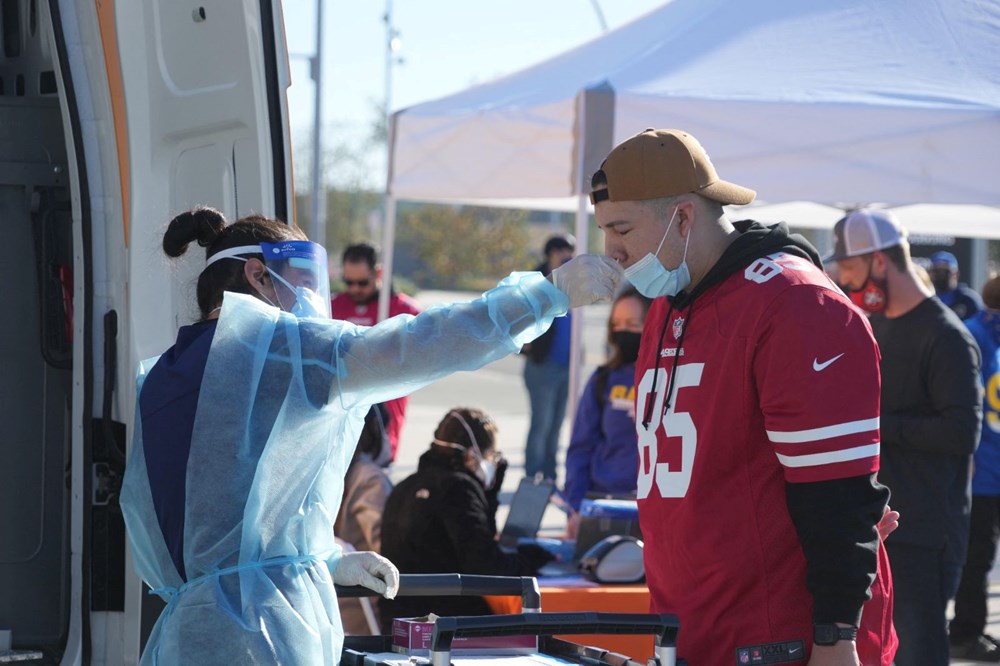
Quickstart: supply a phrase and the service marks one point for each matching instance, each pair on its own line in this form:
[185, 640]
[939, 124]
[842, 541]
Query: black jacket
[441, 520]
[930, 422]
[538, 349]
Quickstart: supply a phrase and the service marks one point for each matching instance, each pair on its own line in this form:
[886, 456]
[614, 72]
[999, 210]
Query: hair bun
[202, 224]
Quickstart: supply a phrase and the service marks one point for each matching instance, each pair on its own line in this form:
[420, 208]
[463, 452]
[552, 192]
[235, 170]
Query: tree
[468, 248]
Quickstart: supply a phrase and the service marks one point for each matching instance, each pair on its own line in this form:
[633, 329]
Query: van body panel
[114, 117]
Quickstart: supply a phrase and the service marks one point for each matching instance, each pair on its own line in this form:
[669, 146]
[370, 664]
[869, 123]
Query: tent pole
[388, 243]
[576, 349]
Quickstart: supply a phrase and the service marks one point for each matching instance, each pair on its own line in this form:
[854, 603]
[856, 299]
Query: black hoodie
[834, 519]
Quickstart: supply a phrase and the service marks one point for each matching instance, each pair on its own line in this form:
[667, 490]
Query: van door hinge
[106, 483]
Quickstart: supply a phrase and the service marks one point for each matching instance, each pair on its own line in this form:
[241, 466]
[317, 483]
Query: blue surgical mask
[307, 302]
[649, 276]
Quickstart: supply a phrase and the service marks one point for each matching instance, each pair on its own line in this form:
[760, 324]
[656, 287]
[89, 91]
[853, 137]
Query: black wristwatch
[829, 634]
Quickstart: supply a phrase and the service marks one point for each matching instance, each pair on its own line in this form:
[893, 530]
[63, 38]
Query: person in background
[358, 303]
[967, 630]
[546, 374]
[442, 518]
[245, 426]
[931, 405]
[366, 489]
[602, 458]
[965, 302]
[756, 417]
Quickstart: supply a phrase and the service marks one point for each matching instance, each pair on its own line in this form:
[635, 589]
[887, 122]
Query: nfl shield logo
[678, 327]
[744, 656]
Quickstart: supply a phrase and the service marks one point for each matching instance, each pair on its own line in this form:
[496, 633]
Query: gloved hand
[370, 570]
[534, 556]
[587, 278]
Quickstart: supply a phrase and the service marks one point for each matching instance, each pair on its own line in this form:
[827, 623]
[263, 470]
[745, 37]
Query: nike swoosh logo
[817, 366]
[792, 651]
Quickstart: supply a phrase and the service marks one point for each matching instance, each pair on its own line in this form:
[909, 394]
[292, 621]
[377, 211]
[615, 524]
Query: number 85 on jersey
[671, 480]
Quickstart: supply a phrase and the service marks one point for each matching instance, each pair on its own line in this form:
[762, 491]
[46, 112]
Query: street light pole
[600, 15]
[317, 231]
[392, 44]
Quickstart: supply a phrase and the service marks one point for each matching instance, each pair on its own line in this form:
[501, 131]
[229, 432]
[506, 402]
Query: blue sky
[447, 45]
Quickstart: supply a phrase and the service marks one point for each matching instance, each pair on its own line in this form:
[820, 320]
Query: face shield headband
[299, 269]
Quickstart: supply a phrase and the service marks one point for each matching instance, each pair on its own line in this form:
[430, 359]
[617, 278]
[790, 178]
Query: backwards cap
[657, 164]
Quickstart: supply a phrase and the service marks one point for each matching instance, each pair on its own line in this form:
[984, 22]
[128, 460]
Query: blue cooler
[600, 518]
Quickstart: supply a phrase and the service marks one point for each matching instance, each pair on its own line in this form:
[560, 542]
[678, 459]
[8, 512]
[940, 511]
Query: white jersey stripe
[827, 432]
[814, 459]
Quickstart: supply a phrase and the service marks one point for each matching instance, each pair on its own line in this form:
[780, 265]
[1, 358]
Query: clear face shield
[299, 274]
[301, 281]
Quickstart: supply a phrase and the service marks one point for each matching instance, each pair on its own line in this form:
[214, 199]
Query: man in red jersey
[358, 304]
[757, 411]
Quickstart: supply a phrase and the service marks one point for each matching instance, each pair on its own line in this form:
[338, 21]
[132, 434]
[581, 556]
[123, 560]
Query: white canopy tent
[894, 101]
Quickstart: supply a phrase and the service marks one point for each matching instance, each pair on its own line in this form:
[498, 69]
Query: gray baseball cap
[864, 231]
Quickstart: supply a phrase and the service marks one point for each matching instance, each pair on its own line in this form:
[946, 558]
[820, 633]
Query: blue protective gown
[280, 408]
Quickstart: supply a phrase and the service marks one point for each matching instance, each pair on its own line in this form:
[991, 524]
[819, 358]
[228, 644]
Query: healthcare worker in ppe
[245, 427]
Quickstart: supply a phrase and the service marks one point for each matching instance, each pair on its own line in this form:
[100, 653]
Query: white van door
[114, 117]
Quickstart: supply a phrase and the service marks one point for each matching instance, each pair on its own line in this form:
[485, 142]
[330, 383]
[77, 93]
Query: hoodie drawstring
[647, 412]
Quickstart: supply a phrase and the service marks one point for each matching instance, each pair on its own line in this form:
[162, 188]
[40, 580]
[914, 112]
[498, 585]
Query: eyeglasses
[357, 283]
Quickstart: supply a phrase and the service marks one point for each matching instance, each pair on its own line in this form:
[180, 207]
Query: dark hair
[372, 437]
[207, 226]
[616, 361]
[359, 252]
[451, 429]
[599, 181]
[991, 293]
[559, 242]
[628, 292]
[898, 256]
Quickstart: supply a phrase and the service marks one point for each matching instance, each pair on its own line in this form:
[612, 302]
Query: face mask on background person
[628, 344]
[873, 295]
[487, 472]
[649, 276]
[941, 281]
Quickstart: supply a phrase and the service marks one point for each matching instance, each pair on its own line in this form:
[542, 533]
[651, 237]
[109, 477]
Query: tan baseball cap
[662, 163]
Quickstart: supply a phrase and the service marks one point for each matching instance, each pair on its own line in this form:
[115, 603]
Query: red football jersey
[366, 314]
[777, 380]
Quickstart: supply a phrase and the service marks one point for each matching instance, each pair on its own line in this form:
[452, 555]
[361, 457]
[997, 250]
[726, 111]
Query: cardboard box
[413, 636]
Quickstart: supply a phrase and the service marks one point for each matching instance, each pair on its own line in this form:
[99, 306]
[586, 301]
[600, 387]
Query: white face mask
[649, 276]
[487, 473]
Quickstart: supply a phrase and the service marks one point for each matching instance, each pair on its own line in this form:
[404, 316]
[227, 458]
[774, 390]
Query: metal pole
[388, 202]
[600, 15]
[317, 230]
[390, 36]
[576, 345]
